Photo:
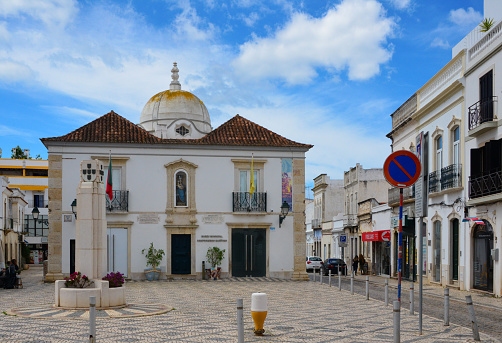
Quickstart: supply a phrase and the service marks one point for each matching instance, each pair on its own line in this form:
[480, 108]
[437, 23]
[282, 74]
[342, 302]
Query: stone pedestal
[90, 230]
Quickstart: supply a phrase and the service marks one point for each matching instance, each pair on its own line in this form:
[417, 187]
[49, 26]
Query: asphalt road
[489, 318]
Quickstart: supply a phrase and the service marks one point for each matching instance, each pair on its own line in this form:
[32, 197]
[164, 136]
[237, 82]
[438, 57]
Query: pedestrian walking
[361, 263]
[354, 264]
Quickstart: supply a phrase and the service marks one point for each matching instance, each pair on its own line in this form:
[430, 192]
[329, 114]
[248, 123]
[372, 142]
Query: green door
[249, 252]
[454, 250]
[181, 257]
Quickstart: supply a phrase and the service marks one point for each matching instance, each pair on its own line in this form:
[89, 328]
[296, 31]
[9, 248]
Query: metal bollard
[203, 270]
[339, 280]
[386, 292]
[352, 283]
[92, 319]
[470, 307]
[320, 275]
[397, 321]
[329, 273]
[240, 321]
[313, 273]
[367, 288]
[412, 299]
[446, 307]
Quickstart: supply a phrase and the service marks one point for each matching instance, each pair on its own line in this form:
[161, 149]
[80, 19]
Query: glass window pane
[244, 181]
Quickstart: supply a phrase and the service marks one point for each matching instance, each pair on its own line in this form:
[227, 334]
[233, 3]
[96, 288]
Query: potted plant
[214, 256]
[153, 258]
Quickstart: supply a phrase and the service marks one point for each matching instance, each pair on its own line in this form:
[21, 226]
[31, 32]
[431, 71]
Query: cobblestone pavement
[205, 311]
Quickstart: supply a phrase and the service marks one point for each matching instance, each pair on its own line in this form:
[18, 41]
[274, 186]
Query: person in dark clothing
[14, 262]
[354, 264]
[9, 276]
[361, 263]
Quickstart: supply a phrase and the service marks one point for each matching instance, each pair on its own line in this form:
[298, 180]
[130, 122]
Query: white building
[184, 187]
[31, 177]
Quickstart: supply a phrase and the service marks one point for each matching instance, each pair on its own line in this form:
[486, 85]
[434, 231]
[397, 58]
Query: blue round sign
[402, 168]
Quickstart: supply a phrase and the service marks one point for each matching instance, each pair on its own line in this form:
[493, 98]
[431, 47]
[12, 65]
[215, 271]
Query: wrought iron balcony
[119, 202]
[393, 195]
[481, 112]
[451, 176]
[244, 202]
[485, 184]
[448, 177]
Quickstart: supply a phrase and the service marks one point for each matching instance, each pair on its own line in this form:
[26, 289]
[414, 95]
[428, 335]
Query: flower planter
[152, 274]
[78, 298]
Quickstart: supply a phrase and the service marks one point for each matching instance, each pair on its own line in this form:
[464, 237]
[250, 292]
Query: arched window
[437, 251]
[181, 188]
[456, 145]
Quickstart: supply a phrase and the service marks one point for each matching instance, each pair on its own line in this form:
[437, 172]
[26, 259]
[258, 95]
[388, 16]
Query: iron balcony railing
[485, 184]
[481, 112]
[448, 177]
[245, 202]
[119, 202]
[393, 194]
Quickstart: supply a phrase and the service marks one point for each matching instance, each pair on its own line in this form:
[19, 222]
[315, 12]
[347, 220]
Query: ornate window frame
[185, 214]
[187, 184]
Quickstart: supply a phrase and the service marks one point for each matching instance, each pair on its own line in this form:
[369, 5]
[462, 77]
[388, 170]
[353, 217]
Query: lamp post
[74, 207]
[284, 212]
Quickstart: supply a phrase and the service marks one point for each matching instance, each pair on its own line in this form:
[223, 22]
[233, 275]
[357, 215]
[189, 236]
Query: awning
[379, 236]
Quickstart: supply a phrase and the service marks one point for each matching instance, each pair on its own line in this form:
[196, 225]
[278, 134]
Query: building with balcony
[12, 220]
[360, 185]
[185, 187]
[31, 178]
[483, 170]
[328, 203]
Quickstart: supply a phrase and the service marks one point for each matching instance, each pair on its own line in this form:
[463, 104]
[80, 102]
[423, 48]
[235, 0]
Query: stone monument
[91, 245]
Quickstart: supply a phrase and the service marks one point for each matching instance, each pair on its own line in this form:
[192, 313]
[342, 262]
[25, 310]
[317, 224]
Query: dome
[175, 113]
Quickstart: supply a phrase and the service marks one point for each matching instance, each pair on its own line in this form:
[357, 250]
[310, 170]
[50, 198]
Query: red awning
[382, 236]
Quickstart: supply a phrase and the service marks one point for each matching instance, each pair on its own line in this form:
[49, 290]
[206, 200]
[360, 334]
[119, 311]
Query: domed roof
[175, 113]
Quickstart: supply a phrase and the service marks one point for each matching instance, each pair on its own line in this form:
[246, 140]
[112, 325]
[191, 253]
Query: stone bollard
[329, 273]
[412, 299]
[386, 292]
[470, 307]
[240, 321]
[367, 288]
[397, 321]
[446, 307]
[92, 319]
[352, 284]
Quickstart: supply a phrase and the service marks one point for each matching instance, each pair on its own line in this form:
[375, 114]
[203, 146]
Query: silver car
[313, 263]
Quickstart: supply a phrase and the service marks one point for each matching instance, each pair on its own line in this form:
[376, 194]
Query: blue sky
[328, 73]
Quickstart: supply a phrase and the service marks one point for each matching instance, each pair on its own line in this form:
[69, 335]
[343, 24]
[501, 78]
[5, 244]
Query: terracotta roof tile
[112, 128]
[109, 128]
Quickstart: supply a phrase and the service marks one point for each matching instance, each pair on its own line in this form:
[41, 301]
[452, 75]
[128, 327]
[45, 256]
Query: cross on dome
[175, 84]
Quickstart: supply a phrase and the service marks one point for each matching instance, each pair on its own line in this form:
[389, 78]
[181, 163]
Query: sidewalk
[434, 289]
[205, 311]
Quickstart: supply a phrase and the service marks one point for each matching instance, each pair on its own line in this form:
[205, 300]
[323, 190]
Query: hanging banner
[287, 182]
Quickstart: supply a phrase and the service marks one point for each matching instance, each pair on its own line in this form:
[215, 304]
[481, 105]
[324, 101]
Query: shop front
[380, 245]
[409, 259]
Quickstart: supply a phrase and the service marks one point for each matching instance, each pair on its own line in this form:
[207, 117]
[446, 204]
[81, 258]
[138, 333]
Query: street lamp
[284, 212]
[35, 213]
[74, 207]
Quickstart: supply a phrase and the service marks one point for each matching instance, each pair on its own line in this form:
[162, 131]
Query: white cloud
[350, 37]
[465, 18]
[13, 72]
[51, 12]
[251, 19]
[401, 4]
[8, 131]
[440, 43]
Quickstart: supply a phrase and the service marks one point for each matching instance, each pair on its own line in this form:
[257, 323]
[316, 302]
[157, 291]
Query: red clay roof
[112, 128]
[109, 128]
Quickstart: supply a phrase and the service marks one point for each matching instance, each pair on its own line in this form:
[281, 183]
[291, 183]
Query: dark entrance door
[181, 257]
[454, 249]
[72, 256]
[249, 252]
[483, 264]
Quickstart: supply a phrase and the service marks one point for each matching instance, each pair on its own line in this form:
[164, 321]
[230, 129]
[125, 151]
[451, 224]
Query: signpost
[342, 242]
[401, 169]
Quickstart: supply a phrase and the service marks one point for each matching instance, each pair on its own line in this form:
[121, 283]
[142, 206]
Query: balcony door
[249, 252]
[486, 96]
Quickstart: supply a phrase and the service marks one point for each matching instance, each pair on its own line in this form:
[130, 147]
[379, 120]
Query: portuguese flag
[109, 183]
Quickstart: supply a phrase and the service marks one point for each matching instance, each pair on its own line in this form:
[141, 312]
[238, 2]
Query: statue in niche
[181, 196]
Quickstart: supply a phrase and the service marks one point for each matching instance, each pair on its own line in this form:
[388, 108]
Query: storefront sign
[382, 236]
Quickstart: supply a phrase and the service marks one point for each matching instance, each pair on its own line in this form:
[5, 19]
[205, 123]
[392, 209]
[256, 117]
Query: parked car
[332, 264]
[313, 263]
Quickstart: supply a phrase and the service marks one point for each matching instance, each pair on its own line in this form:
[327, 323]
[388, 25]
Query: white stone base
[78, 298]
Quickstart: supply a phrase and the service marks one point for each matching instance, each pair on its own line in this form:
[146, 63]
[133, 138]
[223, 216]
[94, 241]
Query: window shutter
[476, 163]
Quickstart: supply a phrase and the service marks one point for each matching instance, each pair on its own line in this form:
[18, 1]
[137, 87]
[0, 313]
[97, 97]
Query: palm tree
[486, 24]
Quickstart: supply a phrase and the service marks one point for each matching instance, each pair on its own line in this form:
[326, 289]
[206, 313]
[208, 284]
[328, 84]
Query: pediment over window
[437, 132]
[454, 122]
